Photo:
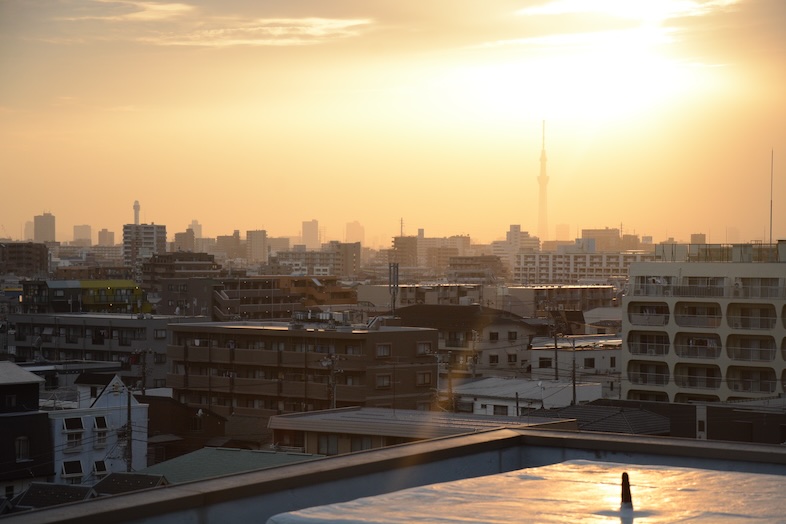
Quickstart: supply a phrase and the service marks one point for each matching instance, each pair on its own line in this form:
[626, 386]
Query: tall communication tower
[136, 212]
[543, 182]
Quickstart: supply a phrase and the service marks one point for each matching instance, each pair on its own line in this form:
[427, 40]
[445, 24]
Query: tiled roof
[42, 494]
[115, 483]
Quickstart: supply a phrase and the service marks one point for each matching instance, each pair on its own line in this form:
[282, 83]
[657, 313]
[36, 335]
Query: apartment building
[137, 342]
[575, 268]
[706, 331]
[261, 369]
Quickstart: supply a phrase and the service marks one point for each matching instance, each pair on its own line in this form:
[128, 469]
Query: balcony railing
[752, 386]
[751, 322]
[643, 319]
[700, 321]
[650, 379]
[696, 382]
[751, 354]
[648, 348]
[693, 351]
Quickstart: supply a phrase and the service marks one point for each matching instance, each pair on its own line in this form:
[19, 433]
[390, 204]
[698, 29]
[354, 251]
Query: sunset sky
[661, 115]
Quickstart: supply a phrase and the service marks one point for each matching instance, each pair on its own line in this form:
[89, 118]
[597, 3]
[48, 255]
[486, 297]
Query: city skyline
[662, 116]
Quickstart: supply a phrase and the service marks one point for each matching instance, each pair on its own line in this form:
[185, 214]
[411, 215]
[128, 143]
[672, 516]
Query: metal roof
[413, 424]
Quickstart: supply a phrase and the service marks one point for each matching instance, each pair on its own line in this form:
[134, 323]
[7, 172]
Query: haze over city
[662, 117]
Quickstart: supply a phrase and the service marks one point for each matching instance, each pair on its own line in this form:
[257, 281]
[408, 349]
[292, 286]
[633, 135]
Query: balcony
[697, 382]
[650, 379]
[749, 354]
[698, 321]
[644, 319]
[752, 386]
[652, 349]
[751, 322]
[697, 351]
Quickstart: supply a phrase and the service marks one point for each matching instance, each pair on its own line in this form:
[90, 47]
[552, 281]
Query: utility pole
[129, 433]
[573, 340]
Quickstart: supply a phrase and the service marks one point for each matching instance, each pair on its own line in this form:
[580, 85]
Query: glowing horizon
[662, 116]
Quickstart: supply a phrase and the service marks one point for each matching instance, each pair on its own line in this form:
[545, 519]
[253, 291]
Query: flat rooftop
[570, 491]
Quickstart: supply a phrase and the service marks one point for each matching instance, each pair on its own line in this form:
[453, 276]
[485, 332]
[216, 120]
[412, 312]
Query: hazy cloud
[263, 32]
[638, 9]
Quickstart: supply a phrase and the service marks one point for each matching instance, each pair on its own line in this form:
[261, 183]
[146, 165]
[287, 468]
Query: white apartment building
[575, 268]
[90, 434]
[142, 241]
[705, 331]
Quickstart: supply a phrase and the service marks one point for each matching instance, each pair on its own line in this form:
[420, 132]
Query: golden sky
[661, 115]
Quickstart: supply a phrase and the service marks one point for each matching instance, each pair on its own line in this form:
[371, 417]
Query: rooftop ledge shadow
[255, 496]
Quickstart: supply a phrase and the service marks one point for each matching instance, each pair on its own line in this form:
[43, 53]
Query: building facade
[137, 342]
[261, 369]
[705, 331]
[575, 268]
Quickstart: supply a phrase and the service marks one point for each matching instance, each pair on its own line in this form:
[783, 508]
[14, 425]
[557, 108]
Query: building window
[589, 363]
[72, 472]
[424, 378]
[99, 469]
[493, 360]
[327, 444]
[10, 401]
[101, 428]
[493, 336]
[424, 348]
[360, 442]
[196, 422]
[383, 381]
[613, 362]
[383, 350]
[159, 358]
[544, 362]
[513, 335]
[500, 410]
[73, 429]
[353, 350]
[22, 445]
[512, 358]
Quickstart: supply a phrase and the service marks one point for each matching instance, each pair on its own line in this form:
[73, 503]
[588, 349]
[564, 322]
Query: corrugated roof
[411, 424]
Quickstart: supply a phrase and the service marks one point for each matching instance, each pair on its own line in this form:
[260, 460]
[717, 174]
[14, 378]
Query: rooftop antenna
[772, 164]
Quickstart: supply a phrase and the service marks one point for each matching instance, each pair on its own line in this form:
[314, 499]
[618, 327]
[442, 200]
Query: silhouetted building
[24, 259]
[44, 228]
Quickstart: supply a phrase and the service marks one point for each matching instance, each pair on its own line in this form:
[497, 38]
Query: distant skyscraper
[698, 238]
[310, 237]
[44, 228]
[83, 235]
[136, 212]
[543, 181]
[197, 228]
[355, 233]
[106, 238]
[256, 246]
